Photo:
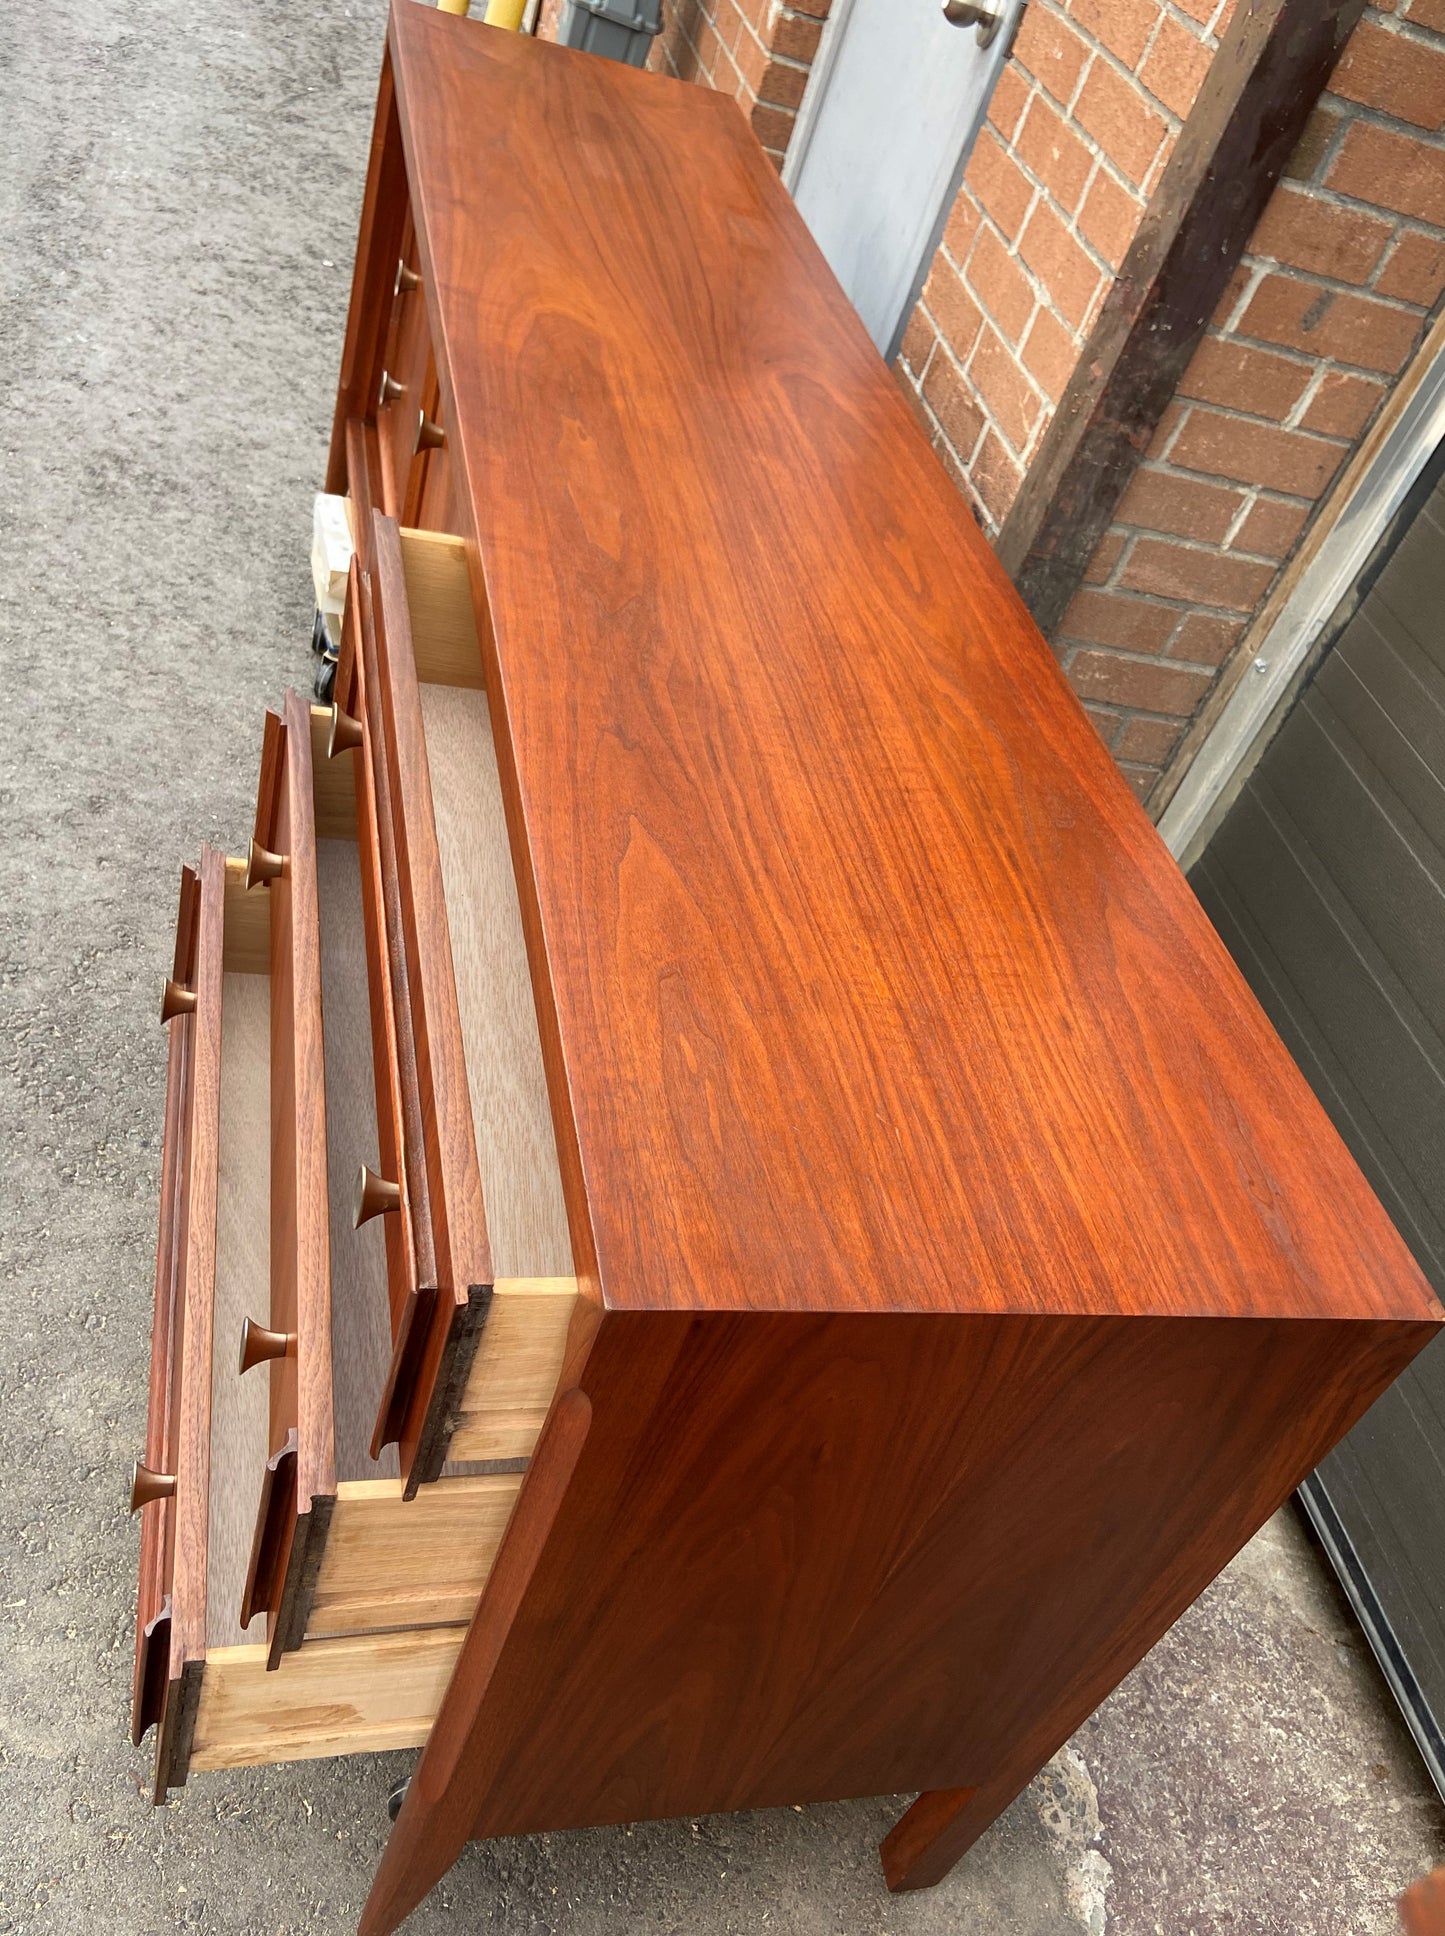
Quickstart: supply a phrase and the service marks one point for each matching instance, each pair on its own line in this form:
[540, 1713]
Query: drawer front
[459, 1222]
[173, 1490]
[153, 1598]
[390, 1587]
[405, 391]
[291, 1348]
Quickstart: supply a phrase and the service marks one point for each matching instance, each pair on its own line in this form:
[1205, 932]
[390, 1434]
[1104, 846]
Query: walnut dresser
[744, 1293]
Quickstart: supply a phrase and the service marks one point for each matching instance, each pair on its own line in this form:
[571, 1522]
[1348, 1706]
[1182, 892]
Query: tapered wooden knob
[390, 390]
[259, 1346]
[146, 1485]
[429, 435]
[406, 279]
[374, 1196]
[262, 864]
[176, 1000]
[345, 732]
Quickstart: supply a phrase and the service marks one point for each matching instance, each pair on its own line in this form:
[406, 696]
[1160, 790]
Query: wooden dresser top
[869, 982]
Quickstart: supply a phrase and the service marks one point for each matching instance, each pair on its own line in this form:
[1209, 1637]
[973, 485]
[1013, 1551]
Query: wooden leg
[943, 1825]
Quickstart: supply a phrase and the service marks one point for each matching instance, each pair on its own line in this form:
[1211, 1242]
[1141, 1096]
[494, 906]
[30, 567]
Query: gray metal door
[1327, 882]
[896, 97]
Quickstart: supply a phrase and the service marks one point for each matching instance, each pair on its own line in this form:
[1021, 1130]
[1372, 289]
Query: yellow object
[505, 13]
[453, 6]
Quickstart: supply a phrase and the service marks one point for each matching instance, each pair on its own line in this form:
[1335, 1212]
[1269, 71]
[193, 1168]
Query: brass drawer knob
[390, 390]
[176, 1000]
[259, 1346]
[375, 1196]
[146, 1486]
[262, 864]
[345, 732]
[429, 435]
[406, 279]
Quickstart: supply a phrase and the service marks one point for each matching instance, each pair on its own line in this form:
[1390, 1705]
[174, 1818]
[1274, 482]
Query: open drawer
[388, 1586]
[478, 1352]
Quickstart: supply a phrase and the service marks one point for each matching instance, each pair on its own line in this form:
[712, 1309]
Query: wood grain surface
[516, 1149]
[458, 1216]
[190, 1407]
[243, 1290]
[360, 1323]
[849, 930]
[394, 1563]
[152, 1626]
[354, 1696]
[807, 1557]
[405, 1239]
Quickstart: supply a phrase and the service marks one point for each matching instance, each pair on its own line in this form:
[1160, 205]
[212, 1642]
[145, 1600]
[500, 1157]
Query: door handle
[986, 15]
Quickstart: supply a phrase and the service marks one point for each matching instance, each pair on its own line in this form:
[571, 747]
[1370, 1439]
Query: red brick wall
[757, 50]
[1323, 313]
[1082, 122]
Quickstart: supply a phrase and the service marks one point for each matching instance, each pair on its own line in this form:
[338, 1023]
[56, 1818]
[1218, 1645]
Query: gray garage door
[1327, 882]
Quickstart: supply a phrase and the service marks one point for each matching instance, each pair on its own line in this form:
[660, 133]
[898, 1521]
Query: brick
[1106, 555]
[1048, 146]
[1177, 64]
[956, 315]
[1415, 271]
[1271, 528]
[772, 126]
[1009, 101]
[1343, 404]
[1123, 26]
[1428, 13]
[1290, 461]
[1304, 232]
[1105, 723]
[1050, 353]
[1403, 78]
[1149, 741]
[1170, 569]
[1116, 114]
[1391, 170]
[999, 184]
[1205, 638]
[1061, 265]
[996, 479]
[1170, 419]
[1200, 10]
[1185, 507]
[1110, 218]
[782, 85]
[797, 37]
[1000, 285]
[1239, 281]
[918, 343]
[1153, 686]
[1240, 377]
[1108, 618]
[954, 404]
[1052, 52]
[1011, 399]
[1299, 315]
[961, 226]
[1314, 144]
[1143, 780]
[816, 9]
